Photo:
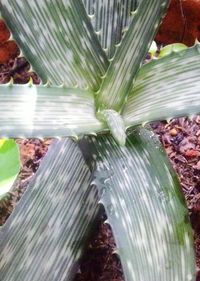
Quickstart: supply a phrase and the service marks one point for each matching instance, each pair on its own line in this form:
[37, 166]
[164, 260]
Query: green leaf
[130, 54]
[41, 111]
[115, 123]
[110, 19]
[58, 40]
[167, 50]
[153, 49]
[166, 88]
[9, 164]
[45, 235]
[144, 206]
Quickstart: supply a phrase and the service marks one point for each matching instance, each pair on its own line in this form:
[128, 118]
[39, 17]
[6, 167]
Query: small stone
[197, 166]
[173, 132]
[192, 153]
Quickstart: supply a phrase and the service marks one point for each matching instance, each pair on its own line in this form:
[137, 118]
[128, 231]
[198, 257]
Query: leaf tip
[58, 138]
[168, 120]
[115, 123]
[63, 85]
[40, 138]
[197, 45]
[91, 16]
[111, 59]
[30, 82]
[47, 84]
[75, 137]
[93, 134]
[144, 123]
[21, 55]
[133, 13]
[11, 82]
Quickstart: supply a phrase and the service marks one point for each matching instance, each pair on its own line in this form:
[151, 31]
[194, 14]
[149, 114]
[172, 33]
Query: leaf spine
[11, 82]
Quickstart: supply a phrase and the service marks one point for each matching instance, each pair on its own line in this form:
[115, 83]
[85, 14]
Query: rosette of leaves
[89, 56]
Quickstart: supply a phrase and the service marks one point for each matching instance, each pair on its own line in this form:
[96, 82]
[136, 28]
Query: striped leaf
[116, 125]
[58, 40]
[165, 88]
[130, 54]
[144, 206]
[44, 237]
[41, 111]
[110, 19]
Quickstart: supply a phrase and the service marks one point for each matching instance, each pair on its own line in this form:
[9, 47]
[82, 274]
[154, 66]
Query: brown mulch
[181, 140]
[18, 70]
[100, 261]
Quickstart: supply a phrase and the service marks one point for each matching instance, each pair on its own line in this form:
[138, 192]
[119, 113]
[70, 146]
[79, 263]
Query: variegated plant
[90, 62]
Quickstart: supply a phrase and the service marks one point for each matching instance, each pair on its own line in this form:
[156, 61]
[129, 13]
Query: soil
[180, 138]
